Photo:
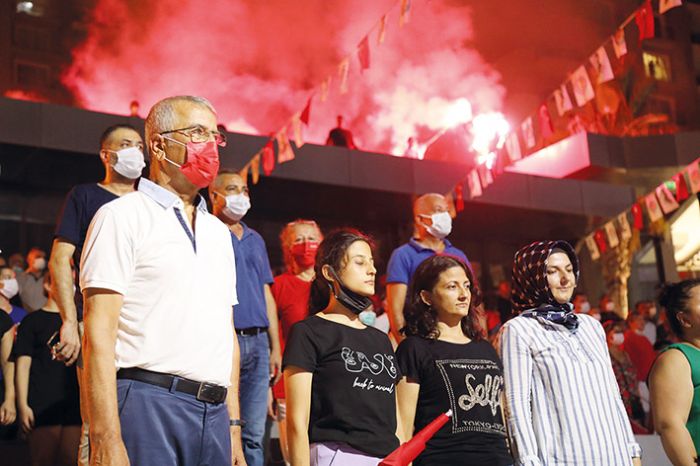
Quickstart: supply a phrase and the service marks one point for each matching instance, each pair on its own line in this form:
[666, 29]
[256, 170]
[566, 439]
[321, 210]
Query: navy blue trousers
[169, 428]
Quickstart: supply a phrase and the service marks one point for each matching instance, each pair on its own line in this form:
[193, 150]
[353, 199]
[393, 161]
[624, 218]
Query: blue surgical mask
[368, 318]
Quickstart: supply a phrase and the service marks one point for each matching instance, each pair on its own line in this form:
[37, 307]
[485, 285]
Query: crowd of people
[156, 333]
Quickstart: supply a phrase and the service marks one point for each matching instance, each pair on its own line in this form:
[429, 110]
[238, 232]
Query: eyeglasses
[200, 134]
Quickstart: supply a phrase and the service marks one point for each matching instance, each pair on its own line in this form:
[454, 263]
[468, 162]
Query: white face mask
[10, 288]
[237, 205]
[442, 225]
[585, 307]
[618, 338]
[130, 162]
[39, 263]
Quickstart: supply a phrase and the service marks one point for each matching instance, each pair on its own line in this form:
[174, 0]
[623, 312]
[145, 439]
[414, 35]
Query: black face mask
[355, 302]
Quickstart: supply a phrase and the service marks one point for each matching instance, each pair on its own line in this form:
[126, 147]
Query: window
[657, 66]
[29, 74]
[32, 38]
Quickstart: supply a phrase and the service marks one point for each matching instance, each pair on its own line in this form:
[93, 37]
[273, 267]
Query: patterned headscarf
[530, 293]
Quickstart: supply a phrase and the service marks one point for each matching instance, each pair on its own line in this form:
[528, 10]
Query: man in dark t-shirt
[340, 136]
[121, 152]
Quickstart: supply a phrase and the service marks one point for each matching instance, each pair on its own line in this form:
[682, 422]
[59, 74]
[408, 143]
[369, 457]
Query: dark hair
[675, 297]
[108, 132]
[332, 251]
[421, 319]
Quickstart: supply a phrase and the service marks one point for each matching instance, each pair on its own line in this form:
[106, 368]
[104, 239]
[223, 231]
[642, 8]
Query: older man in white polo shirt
[158, 273]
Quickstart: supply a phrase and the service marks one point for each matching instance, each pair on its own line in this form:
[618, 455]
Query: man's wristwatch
[237, 423]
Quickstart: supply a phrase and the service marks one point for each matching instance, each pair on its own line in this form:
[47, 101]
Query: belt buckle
[210, 393]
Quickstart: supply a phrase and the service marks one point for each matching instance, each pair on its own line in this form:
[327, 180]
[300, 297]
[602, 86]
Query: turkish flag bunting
[268, 158]
[363, 53]
[459, 197]
[645, 21]
[637, 217]
[546, 128]
[410, 450]
[255, 168]
[306, 113]
[681, 187]
[600, 241]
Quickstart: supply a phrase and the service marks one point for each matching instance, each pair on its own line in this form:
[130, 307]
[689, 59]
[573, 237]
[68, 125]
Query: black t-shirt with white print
[353, 390]
[468, 379]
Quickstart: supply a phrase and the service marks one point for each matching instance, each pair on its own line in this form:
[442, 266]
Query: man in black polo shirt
[121, 152]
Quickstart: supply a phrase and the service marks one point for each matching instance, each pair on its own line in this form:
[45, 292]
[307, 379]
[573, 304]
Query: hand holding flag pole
[410, 450]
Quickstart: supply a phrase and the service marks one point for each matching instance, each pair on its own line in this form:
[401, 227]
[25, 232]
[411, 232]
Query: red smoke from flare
[258, 62]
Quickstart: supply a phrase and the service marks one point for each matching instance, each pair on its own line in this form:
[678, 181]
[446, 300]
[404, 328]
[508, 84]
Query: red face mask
[305, 253]
[202, 162]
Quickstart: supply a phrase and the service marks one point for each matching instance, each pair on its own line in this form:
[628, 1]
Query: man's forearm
[62, 278]
[232, 404]
[100, 374]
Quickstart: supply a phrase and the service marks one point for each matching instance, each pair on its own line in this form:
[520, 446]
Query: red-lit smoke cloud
[258, 62]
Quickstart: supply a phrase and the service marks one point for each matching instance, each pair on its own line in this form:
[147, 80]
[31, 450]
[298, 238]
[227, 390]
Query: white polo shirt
[179, 286]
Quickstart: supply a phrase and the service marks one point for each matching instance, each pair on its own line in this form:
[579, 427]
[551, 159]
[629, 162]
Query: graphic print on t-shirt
[474, 387]
[359, 362]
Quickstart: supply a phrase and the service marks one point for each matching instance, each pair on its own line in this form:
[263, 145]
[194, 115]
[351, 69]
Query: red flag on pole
[306, 113]
[645, 21]
[410, 450]
[363, 53]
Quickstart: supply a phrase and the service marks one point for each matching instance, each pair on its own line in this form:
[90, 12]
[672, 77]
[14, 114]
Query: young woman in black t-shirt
[446, 364]
[340, 375]
[47, 390]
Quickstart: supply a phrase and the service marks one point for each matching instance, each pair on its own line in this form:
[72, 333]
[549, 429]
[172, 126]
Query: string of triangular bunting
[265, 157]
[662, 201]
[522, 141]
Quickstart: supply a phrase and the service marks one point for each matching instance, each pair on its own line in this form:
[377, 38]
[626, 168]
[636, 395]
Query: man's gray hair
[162, 115]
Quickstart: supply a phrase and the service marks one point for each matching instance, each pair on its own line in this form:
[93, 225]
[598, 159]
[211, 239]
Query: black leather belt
[251, 331]
[204, 391]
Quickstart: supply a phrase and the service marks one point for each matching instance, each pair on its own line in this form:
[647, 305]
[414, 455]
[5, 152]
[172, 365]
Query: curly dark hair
[675, 298]
[421, 319]
[332, 251]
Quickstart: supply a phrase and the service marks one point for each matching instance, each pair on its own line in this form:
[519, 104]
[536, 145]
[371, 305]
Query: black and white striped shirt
[563, 403]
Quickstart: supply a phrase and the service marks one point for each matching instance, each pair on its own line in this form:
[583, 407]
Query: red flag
[306, 113]
[546, 128]
[363, 53]
[681, 187]
[600, 241]
[637, 217]
[645, 21]
[268, 158]
[459, 197]
[410, 450]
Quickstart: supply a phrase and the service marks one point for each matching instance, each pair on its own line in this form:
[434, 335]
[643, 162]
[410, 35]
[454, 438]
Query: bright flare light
[489, 131]
[458, 113]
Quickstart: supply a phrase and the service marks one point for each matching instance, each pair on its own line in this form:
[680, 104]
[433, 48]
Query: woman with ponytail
[340, 375]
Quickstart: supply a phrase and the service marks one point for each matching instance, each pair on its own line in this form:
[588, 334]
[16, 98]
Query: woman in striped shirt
[563, 402]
